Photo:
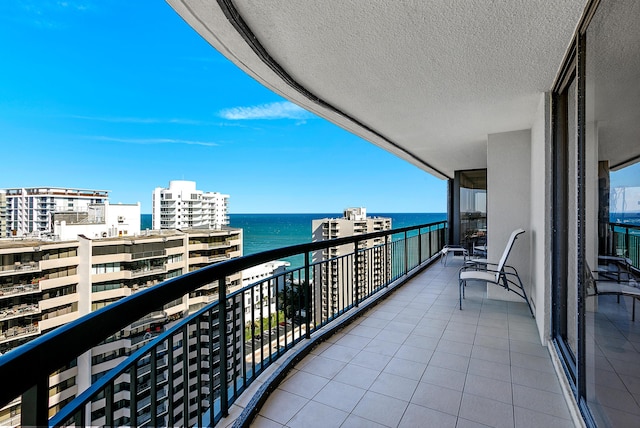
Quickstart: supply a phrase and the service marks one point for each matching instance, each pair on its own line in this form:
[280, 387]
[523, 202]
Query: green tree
[291, 298]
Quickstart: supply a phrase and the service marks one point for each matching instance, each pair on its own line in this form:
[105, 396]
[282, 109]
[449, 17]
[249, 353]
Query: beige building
[330, 277]
[207, 246]
[46, 284]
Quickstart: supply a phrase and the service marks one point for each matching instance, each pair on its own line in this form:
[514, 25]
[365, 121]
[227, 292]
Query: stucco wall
[541, 198]
[508, 203]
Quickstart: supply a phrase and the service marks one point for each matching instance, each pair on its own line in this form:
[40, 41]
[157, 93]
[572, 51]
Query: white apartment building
[3, 212]
[328, 280]
[182, 206]
[29, 210]
[98, 221]
[262, 301]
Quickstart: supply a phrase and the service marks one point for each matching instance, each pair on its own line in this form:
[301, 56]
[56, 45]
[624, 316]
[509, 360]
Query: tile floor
[415, 360]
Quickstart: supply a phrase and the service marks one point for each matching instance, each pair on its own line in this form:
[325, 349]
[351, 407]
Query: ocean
[269, 231]
[264, 232]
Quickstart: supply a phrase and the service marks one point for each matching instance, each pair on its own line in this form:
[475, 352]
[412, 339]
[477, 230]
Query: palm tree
[291, 299]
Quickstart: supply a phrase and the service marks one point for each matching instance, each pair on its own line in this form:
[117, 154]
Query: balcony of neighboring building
[20, 310]
[213, 243]
[58, 311]
[128, 256]
[55, 280]
[18, 332]
[20, 267]
[53, 263]
[19, 288]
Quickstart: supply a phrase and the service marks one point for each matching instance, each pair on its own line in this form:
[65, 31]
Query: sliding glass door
[596, 127]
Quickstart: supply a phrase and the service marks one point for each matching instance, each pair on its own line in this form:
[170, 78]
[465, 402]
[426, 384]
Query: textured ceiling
[425, 80]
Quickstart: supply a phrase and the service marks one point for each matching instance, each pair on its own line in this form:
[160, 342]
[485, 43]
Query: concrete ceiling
[425, 80]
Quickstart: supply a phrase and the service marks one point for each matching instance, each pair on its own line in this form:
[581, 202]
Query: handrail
[49, 352]
[626, 225]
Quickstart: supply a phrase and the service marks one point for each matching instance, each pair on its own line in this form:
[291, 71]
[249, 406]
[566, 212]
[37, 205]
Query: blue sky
[124, 96]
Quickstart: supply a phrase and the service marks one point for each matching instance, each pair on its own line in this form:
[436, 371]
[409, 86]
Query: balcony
[18, 311]
[416, 357]
[15, 333]
[148, 270]
[19, 267]
[402, 343]
[19, 290]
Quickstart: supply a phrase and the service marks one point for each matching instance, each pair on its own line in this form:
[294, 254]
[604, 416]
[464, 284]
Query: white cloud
[155, 141]
[279, 110]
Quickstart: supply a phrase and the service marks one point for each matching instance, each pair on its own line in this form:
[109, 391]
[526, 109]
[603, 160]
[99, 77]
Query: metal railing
[625, 242]
[210, 357]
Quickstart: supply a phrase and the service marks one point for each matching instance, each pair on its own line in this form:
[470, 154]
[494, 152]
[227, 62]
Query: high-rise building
[330, 276]
[29, 210]
[47, 283]
[3, 213]
[182, 206]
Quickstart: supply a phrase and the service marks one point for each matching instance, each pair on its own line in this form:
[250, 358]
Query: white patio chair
[617, 283]
[498, 274]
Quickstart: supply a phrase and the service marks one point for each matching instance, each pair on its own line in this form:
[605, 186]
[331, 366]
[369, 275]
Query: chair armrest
[475, 267]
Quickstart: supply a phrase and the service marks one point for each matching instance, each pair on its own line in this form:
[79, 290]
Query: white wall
[155, 208]
[123, 219]
[120, 220]
[541, 220]
[508, 203]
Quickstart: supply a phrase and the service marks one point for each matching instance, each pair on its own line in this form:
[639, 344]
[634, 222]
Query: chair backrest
[507, 250]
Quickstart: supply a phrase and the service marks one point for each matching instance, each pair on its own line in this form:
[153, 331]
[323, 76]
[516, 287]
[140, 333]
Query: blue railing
[189, 371]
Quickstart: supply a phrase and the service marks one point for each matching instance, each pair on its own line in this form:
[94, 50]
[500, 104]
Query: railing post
[222, 328]
[356, 275]
[198, 375]
[109, 403]
[170, 408]
[307, 296]
[419, 247]
[387, 251]
[406, 253]
[133, 391]
[185, 369]
[35, 404]
[153, 362]
[627, 252]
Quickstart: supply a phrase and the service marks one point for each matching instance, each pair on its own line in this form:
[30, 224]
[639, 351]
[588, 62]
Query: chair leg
[524, 294]
[460, 291]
